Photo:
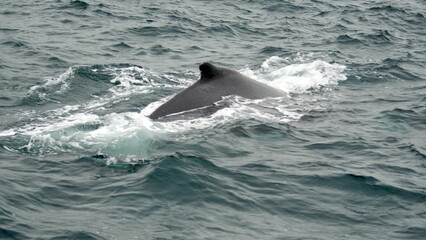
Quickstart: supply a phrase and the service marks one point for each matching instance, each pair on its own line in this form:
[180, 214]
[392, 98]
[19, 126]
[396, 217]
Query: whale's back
[215, 83]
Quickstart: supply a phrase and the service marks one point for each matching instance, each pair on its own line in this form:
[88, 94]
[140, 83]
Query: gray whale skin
[215, 83]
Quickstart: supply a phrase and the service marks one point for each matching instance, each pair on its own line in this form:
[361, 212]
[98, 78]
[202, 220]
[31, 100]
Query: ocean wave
[366, 186]
[80, 5]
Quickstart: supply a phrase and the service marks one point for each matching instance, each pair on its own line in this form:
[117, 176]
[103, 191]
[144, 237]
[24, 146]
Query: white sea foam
[56, 84]
[127, 136]
[299, 77]
[8, 132]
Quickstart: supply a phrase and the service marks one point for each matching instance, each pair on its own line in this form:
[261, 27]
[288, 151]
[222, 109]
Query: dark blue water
[343, 157]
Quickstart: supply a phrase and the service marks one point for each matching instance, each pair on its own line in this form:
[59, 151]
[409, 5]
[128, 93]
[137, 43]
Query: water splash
[54, 85]
[298, 77]
[96, 127]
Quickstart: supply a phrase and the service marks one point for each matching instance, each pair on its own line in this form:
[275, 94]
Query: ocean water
[342, 157]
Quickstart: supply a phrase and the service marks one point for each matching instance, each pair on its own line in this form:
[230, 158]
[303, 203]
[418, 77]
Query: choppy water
[344, 157]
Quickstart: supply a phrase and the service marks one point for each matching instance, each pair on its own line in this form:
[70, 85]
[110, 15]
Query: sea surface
[343, 156]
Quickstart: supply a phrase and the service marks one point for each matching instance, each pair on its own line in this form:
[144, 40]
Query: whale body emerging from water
[214, 84]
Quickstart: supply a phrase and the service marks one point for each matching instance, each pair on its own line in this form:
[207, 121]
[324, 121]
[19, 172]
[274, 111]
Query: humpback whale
[215, 83]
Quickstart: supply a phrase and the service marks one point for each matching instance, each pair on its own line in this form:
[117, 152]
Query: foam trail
[131, 136]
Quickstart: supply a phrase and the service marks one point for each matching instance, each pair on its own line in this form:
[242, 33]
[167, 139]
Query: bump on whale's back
[215, 83]
[208, 70]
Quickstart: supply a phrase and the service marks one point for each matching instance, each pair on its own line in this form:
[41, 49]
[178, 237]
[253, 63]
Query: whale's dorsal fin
[208, 71]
